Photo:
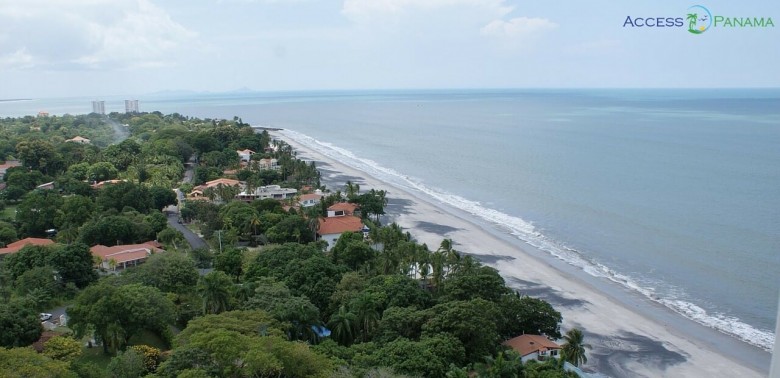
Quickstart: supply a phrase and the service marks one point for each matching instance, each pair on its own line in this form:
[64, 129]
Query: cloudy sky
[52, 48]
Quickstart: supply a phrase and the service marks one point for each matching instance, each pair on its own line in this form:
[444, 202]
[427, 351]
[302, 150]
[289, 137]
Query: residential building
[245, 155]
[8, 164]
[124, 256]
[268, 164]
[131, 106]
[331, 228]
[343, 209]
[311, 199]
[79, 139]
[99, 107]
[264, 192]
[17, 245]
[534, 347]
[46, 186]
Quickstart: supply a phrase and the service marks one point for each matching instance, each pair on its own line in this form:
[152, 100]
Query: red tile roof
[17, 245]
[345, 206]
[311, 196]
[527, 344]
[126, 252]
[338, 225]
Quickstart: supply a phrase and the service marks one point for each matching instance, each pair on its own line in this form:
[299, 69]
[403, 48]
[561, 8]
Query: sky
[55, 48]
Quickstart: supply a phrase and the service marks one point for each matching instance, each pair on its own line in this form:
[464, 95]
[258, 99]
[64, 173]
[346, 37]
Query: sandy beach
[630, 335]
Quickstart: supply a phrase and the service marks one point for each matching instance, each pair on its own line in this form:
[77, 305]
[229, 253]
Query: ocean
[673, 194]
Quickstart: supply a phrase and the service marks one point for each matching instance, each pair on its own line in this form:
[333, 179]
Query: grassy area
[9, 212]
[96, 356]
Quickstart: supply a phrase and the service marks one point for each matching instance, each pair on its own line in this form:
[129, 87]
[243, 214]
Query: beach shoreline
[630, 334]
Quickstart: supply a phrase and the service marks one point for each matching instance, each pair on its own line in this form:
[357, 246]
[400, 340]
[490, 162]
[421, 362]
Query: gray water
[672, 193]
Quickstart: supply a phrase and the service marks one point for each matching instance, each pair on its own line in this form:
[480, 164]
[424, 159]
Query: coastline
[630, 335]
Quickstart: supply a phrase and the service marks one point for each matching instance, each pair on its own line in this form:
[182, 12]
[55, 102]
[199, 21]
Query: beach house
[341, 218]
[534, 347]
[245, 155]
[311, 199]
[264, 192]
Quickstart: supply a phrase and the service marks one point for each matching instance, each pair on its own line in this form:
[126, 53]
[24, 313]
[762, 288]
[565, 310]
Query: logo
[697, 14]
[699, 19]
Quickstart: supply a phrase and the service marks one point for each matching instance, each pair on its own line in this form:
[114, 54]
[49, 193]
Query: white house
[271, 191]
[342, 209]
[245, 155]
[534, 347]
[312, 199]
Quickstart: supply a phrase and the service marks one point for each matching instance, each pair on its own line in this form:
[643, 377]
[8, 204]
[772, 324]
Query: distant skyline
[52, 48]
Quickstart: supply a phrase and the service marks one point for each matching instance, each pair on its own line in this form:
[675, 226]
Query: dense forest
[263, 298]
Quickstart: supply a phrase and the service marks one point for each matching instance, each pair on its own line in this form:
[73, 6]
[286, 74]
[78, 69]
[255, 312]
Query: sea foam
[526, 232]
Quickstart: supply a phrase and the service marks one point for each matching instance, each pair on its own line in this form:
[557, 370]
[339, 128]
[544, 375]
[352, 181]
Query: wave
[526, 232]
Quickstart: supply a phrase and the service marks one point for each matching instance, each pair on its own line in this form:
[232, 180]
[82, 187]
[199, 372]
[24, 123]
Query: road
[193, 239]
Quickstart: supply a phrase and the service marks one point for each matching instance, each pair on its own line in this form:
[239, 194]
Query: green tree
[342, 325]
[118, 313]
[523, 314]
[127, 364]
[39, 155]
[62, 348]
[573, 349]
[7, 233]
[19, 324]
[472, 322]
[102, 171]
[230, 261]
[74, 264]
[37, 211]
[162, 197]
[170, 272]
[215, 290]
[125, 194]
[74, 212]
[27, 363]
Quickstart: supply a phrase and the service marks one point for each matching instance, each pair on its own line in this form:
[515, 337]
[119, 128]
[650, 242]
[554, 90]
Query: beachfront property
[124, 256]
[343, 209]
[245, 155]
[534, 347]
[340, 219]
[311, 199]
[79, 139]
[17, 245]
[267, 163]
[267, 192]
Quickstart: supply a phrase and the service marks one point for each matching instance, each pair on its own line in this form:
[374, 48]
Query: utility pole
[219, 235]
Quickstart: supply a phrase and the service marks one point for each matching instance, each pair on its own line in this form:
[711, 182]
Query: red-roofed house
[341, 209]
[123, 256]
[8, 164]
[534, 347]
[331, 228]
[17, 245]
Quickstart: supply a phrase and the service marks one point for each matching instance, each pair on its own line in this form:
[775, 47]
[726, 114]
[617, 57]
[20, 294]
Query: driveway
[193, 239]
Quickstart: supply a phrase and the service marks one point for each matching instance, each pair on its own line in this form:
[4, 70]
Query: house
[331, 228]
[216, 183]
[311, 199]
[264, 192]
[8, 164]
[245, 155]
[268, 164]
[79, 139]
[343, 209]
[46, 186]
[100, 185]
[17, 245]
[123, 256]
[534, 347]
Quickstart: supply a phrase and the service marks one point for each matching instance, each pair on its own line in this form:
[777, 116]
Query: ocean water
[674, 194]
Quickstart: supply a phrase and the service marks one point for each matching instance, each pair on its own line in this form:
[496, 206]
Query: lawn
[9, 212]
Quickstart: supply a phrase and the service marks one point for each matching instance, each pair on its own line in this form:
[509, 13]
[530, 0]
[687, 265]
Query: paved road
[192, 238]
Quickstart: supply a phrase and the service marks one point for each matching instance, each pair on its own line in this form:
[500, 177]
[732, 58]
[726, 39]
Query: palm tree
[214, 288]
[692, 22]
[574, 348]
[367, 315]
[352, 189]
[342, 326]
